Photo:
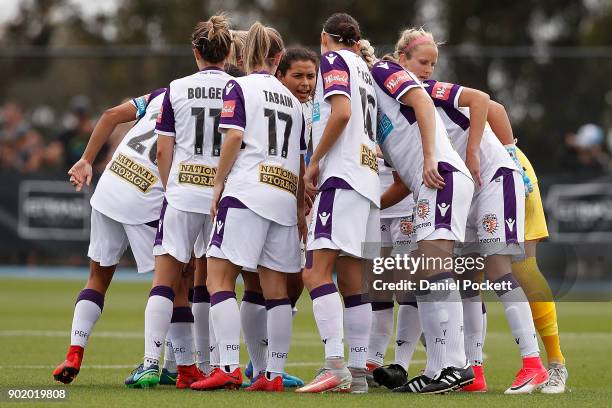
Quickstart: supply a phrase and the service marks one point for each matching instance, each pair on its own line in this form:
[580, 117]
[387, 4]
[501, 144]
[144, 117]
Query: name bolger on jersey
[353, 156]
[265, 175]
[398, 132]
[131, 179]
[191, 113]
[456, 120]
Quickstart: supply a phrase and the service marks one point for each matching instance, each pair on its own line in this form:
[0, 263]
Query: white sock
[518, 314]
[279, 323]
[327, 309]
[181, 336]
[357, 327]
[254, 318]
[87, 311]
[201, 313]
[214, 346]
[473, 327]
[226, 317]
[158, 314]
[407, 334]
[169, 359]
[432, 317]
[382, 329]
[455, 346]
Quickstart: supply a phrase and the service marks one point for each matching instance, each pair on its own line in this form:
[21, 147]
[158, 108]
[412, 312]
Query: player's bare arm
[478, 102]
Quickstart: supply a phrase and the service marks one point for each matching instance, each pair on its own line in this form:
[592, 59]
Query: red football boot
[479, 384]
[263, 384]
[187, 375]
[219, 379]
[529, 378]
[68, 370]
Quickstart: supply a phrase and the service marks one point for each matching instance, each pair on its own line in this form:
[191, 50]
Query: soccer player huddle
[218, 175]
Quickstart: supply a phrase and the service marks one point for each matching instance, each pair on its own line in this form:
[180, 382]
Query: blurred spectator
[78, 125]
[585, 150]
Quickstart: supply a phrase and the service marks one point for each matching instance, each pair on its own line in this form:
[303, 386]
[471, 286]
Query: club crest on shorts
[490, 223]
[406, 226]
[423, 208]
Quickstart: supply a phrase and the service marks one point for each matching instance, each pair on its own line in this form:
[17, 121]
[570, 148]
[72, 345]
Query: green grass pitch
[35, 318]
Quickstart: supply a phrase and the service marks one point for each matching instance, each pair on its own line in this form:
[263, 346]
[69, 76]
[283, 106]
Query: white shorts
[345, 220]
[442, 214]
[249, 240]
[178, 231]
[496, 222]
[398, 233]
[109, 239]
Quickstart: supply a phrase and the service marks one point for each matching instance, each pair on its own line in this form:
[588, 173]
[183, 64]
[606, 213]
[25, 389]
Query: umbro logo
[219, 226]
[324, 216]
[331, 58]
[384, 65]
[443, 208]
[510, 223]
[158, 343]
[229, 88]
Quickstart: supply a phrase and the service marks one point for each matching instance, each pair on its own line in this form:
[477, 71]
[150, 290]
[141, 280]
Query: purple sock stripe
[355, 300]
[323, 290]
[272, 303]
[294, 301]
[92, 296]
[308, 260]
[182, 314]
[444, 197]
[507, 278]
[376, 306]
[254, 297]
[221, 296]
[440, 276]
[200, 294]
[159, 236]
[165, 291]
[468, 293]
[413, 304]
[190, 295]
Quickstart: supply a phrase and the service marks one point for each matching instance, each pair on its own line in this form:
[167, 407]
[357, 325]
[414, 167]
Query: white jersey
[130, 190]
[265, 175]
[398, 131]
[403, 208]
[191, 113]
[353, 157]
[456, 119]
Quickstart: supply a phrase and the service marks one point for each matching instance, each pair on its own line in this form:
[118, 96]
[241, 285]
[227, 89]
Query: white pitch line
[124, 366]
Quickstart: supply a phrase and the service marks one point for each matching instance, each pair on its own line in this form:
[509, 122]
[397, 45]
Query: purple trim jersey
[131, 179]
[398, 131]
[456, 120]
[191, 113]
[353, 156]
[266, 173]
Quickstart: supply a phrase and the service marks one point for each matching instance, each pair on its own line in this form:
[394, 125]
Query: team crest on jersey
[228, 88]
[197, 175]
[423, 208]
[396, 80]
[368, 158]
[406, 226]
[134, 173]
[490, 223]
[228, 109]
[278, 177]
[335, 77]
[441, 90]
